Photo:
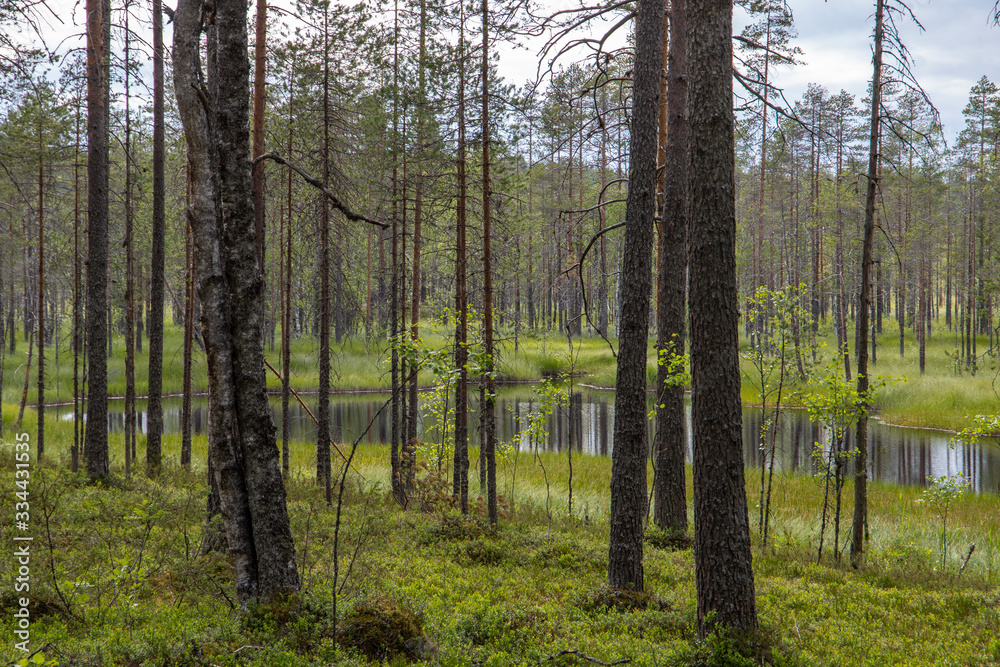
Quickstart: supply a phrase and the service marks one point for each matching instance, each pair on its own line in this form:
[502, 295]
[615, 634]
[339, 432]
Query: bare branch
[321, 186]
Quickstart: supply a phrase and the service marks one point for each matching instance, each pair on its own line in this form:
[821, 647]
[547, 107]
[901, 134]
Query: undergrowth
[119, 578]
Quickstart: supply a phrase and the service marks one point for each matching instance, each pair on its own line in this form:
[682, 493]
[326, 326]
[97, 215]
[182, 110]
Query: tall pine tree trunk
[98, 57]
[859, 522]
[154, 409]
[723, 569]
[669, 445]
[628, 466]
[488, 415]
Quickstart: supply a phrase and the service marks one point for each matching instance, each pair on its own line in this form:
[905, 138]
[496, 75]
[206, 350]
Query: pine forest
[499, 333]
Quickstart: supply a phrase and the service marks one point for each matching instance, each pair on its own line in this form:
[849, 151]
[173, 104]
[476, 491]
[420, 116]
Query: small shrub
[382, 628]
[481, 552]
[455, 527]
[730, 649]
[668, 540]
[605, 599]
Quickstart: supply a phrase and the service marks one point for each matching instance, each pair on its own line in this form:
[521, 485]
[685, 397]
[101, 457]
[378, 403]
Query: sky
[957, 46]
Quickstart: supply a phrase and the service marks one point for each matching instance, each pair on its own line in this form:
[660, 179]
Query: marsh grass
[941, 398]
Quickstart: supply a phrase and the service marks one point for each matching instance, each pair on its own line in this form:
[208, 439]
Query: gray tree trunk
[242, 444]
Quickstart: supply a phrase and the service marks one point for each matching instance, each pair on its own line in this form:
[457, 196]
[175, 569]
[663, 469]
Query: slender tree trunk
[323, 475]
[864, 307]
[628, 467]
[259, 184]
[488, 417]
[77, 420]
[154, 410]
[188, 343]
[723, 569]
[460, 485]
[394, 410]
[669, 445]
[129, 269]
[286, 282]
[40, 438]
[418, 214]
[98, 49]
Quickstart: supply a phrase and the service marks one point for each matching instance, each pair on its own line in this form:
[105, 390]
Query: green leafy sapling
[778, 316]
[939, 497]
[838, 405]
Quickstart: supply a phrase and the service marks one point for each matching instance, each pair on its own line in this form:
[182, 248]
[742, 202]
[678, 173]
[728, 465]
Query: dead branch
[321, 186]
[310, 413]
[967, 557]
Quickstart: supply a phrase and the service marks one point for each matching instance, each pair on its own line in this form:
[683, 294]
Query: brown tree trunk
[95, 448]
[488, 417]
[154, 410]
[323, 475]
[460, 473]
[628, 466]
[188, 340]
[723, 569]
[40, 408]
[668, 445]
[864, 307]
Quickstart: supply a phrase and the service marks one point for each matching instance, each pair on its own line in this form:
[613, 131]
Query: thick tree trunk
[723, 569]
[242, 444]
[628, 467]
[669, 445]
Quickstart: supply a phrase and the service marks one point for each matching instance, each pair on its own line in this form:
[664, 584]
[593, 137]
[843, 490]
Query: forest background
[559, 156]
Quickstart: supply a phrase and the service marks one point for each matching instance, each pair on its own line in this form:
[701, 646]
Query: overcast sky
[957, 46]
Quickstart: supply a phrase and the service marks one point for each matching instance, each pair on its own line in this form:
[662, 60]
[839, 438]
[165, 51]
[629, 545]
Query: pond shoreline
[202, 393]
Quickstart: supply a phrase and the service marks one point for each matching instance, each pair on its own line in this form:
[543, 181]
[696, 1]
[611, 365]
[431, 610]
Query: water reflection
[901, 455]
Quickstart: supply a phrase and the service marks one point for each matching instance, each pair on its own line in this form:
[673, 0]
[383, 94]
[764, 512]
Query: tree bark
[242, 444]
[154, 428]
[628, 466]
[488, 414]
[95, 448]
[723, 569]
[864, 307]
[671, 490]
[460, 482]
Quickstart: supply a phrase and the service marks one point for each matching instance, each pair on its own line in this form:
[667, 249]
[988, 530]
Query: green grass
[118, 579]
[941, 398]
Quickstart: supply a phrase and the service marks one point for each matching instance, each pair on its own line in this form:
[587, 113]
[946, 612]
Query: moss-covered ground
[118, 577]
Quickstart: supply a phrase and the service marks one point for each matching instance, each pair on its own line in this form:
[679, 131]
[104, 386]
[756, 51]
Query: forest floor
[946, 396]
[117, 576]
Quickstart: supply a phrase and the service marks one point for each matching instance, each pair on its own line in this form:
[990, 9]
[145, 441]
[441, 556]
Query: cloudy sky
[957, 46]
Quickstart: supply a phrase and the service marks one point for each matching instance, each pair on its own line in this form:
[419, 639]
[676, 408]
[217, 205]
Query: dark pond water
[905, 456]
